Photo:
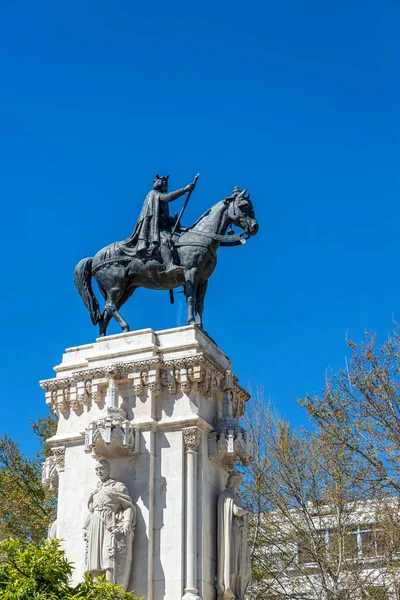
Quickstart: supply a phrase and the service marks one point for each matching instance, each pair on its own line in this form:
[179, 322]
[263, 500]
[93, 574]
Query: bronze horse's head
[241, 212]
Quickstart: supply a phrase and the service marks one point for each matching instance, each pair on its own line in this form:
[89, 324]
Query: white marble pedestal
[163, 408]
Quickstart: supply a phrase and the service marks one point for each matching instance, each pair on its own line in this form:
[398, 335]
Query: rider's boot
[172, 268]
[168, 258]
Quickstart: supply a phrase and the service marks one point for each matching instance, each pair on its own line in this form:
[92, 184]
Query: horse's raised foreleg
[191, 277]
[201, 292]
[111, 309]
[107, 316]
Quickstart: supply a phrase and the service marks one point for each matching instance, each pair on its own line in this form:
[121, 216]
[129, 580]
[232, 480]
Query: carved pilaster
[191, 442]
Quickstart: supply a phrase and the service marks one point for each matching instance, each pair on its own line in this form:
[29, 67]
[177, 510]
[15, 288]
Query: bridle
[224, 240]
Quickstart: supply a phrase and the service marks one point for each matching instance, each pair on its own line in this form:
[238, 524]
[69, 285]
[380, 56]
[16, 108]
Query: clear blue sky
[295, 100]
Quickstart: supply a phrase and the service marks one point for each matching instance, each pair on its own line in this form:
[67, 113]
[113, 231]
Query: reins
[225, 240]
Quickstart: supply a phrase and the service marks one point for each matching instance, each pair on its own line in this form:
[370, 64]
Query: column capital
[191, 438]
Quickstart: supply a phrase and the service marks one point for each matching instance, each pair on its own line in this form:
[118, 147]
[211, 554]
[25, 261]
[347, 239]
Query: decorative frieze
[184, 375]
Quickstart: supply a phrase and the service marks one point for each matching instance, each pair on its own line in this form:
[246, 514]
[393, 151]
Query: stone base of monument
[163, 409]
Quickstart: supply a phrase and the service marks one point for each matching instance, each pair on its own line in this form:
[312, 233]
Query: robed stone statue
[234, 568]
[109, 528]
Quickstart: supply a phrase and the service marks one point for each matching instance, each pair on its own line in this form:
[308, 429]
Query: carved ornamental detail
[52, 467]
[49, 474]
[230, 445]
[110, 437]
[191, 438]
[152, 376]
[59, 457]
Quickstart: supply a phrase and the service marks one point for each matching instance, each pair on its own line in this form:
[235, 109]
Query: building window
[351, 545]
[359, 541]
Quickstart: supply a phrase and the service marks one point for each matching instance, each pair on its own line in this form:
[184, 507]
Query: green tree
[32, 572]
[26, 509]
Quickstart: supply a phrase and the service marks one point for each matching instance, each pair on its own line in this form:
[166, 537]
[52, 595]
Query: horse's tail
[83, 282]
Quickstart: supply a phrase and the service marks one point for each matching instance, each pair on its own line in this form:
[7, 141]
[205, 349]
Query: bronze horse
[119, 273]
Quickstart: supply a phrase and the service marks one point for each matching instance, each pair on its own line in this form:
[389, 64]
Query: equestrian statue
[161, 254]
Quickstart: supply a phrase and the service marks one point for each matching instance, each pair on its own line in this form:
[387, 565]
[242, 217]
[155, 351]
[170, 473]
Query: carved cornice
[191, 438]
[192, 373]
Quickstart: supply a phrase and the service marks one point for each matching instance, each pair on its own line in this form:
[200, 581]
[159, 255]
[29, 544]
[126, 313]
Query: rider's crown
[236, 191]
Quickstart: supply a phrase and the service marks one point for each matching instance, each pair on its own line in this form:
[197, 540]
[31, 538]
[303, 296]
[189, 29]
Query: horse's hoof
[125, 329]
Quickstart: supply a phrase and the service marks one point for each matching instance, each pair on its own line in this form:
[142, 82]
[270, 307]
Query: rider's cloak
[153, 218]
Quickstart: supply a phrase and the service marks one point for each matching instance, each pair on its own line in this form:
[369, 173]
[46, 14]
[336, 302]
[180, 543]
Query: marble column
[191, 442]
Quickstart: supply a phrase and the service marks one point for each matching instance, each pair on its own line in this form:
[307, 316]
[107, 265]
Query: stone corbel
[50, 396]
[86, 392]
[97, 384]
[171, 380]
[163, 379]
[154, 382]
[216, 383]
[79, 395]
[205, 386]
[195, 374]
[62, 400]
[73, 397]
[137, 379]
[185, 381]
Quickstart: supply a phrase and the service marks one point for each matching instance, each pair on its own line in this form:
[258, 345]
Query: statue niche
[109, 528]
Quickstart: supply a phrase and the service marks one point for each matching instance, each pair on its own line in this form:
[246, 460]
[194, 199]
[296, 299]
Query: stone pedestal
[163, 408]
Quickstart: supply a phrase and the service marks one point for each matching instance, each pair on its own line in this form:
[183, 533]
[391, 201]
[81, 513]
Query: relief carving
[191, 438]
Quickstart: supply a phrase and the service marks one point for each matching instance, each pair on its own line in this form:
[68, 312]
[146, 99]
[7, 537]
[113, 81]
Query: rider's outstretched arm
[174, 195]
